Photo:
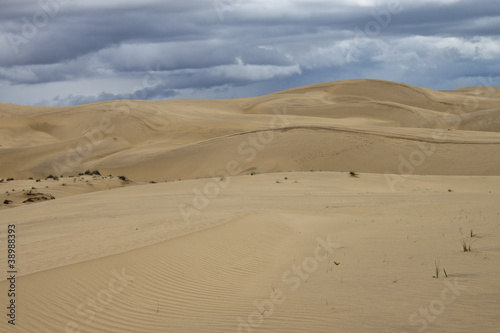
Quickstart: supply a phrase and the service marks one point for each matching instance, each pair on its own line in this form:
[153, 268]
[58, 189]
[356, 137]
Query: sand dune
[206, 274]
[316, 209]
[123, 136]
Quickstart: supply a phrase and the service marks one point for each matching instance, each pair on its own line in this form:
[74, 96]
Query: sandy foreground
[326, 208]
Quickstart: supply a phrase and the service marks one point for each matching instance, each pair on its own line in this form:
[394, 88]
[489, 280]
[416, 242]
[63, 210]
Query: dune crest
[351, 206]
[119, 137]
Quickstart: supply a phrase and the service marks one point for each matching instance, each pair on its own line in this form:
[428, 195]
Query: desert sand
[337, 207]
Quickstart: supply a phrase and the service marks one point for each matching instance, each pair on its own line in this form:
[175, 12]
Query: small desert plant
[124, 178]
[52, 177]
[88, 172]
[10, 179]
[353, 174]
[96, 173]
[466, 244]
[472, 234]
[436, 263]
[445, 274]
[30, 178]
[1, 180]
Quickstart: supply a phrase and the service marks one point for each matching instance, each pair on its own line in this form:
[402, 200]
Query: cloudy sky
[68, 52]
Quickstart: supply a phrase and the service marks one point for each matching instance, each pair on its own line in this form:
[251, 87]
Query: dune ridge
[121, 136]
[321, 208]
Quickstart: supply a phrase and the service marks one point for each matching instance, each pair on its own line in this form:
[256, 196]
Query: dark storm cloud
[203, 45]
[73, 30]
[459, 19]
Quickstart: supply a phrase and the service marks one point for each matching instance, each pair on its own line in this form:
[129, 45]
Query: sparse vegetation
[353, 174]
[1, 180]
[52, 177]
[466, 244]
[10, 179]
[124, 178]
[88, 172]
[436, 263]
[445, 274]
[37, 197]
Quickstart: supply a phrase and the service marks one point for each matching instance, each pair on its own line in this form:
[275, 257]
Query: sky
[71, 52]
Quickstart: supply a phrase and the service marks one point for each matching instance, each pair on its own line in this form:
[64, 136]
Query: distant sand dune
[322, 208]
[137, 133]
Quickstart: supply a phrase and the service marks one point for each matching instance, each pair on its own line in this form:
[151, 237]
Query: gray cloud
[65, 52]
